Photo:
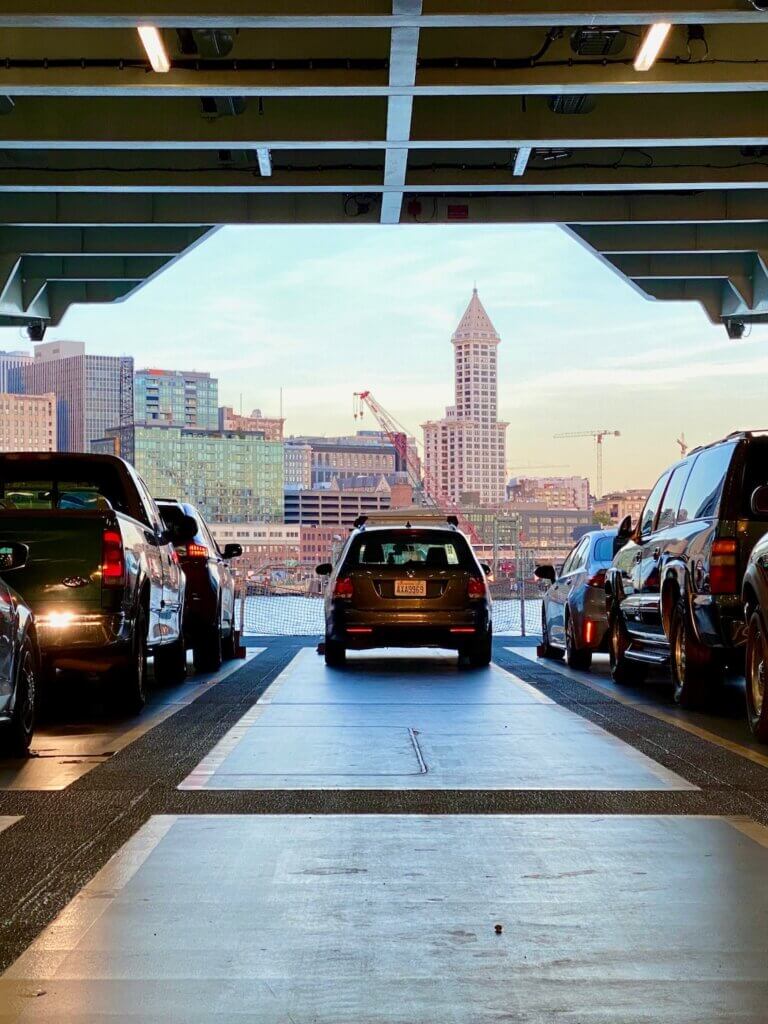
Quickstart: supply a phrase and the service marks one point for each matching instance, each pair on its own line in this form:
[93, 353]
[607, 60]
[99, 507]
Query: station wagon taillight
[598, 580]
[112, 559]
[723, 578]
[343, 588]
[475, 587]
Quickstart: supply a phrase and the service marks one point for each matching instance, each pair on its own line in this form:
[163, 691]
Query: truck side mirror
[623, 534]
[324, 569]
[13, 556]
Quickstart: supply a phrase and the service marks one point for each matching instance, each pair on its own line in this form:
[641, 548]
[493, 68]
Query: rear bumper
[718, 619]
[92, 641]
[360, 630]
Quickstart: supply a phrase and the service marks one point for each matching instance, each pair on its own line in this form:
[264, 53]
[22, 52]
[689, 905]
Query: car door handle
[639, 556]
[656, 552]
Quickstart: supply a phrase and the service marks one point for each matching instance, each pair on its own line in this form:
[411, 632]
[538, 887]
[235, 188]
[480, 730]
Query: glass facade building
[231, 477]
[176, 398]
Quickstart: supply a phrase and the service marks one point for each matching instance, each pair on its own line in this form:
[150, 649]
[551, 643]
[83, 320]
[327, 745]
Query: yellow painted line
[648, 709]
[751, 829]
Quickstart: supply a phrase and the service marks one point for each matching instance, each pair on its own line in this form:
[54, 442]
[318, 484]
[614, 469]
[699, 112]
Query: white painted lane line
[529, 653]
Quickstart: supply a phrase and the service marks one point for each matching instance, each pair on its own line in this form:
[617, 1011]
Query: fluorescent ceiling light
[156, 52]
[265, 161]
[651, 45]
[522, 157]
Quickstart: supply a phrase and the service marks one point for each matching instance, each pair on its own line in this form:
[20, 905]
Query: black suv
[674, 589]
[404, 586]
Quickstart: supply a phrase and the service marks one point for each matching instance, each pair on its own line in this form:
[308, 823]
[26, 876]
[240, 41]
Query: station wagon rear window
[412, 548]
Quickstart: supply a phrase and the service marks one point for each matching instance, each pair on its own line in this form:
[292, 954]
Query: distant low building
[335, 506]
[270, 426]
[552, 529]
[297, 463]
[27, 423]
[321, 543]
[262, 543]
[620, 504]
[551, 491]
[11, 371]
[366, 453]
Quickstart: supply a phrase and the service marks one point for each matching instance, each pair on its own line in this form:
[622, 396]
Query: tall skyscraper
[12, 371]
[93, 393]
[177, 398]
[465, 452]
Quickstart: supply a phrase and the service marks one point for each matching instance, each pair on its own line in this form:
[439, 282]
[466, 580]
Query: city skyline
[324, 312]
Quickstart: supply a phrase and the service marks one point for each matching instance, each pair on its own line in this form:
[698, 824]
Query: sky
[325, 311]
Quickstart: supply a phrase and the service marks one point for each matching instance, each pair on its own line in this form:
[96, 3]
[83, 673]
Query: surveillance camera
[735, 329]
[36, 332]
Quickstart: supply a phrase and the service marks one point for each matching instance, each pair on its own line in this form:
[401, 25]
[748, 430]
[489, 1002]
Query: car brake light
[343, 587]
[723, 578]
[112, 559]
[194, 551]
[589, 629]
[475, 587]
[598, 580]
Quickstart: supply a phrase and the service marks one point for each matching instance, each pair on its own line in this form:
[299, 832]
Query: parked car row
[94, 577]
[685, 587]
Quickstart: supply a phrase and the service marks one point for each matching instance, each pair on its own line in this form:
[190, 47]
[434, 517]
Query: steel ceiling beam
[404, 48]
[346, 14]
[360, 124]
[109, 241]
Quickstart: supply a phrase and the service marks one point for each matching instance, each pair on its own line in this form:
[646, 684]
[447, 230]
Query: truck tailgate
[64, 563]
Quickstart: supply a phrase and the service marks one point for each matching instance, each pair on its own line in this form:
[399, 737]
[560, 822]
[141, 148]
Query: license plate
[410, 588]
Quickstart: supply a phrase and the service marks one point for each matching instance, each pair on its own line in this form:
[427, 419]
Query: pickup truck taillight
[723, 578]
[344, 587]
[475, 587]
[112, 559]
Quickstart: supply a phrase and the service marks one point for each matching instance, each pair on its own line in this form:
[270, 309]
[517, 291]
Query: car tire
[208, 652]
[623, 671]
[230, 644]
[129, 682]
[479, 653]
[695, 670]
[547, 650]
[756, 669]
[335, 653]
[574, 657]
[171, 663]
[16, 735]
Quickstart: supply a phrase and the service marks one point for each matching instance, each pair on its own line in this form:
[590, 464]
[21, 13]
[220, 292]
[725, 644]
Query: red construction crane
[397, 436]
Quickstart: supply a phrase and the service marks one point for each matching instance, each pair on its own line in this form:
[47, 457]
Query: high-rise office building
[465, 452]
[12, 371]
[27, 423]
[177, 398]
[93, 393]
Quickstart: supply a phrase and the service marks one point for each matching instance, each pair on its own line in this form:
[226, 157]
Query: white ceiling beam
[362, 14]
[403, 52]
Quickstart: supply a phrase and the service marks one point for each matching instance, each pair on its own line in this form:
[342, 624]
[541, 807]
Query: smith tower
[465, 452]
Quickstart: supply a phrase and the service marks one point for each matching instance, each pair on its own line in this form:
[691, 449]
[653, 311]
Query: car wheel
[16, 736]
[335, 653]
[695, 672]
[756, 668]
[171, 663]
[547, 650]
[479, 653]
[129, 683]
[574, 657]
[230, 644]
[622, 669]
[207, 652]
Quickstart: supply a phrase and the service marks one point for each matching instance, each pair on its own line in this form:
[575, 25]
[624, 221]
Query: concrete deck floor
[173, 910]
[408, 722]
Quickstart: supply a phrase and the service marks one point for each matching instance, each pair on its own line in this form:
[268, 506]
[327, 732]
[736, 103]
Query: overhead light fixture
[598, 42]
[155, 48]
[522, 157]
[571, 104]
[650, 48]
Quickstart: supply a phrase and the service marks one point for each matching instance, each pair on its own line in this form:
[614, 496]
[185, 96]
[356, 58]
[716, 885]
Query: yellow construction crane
[598, 435]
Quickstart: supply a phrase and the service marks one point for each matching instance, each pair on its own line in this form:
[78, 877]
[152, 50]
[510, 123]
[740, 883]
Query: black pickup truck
[102, 574]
